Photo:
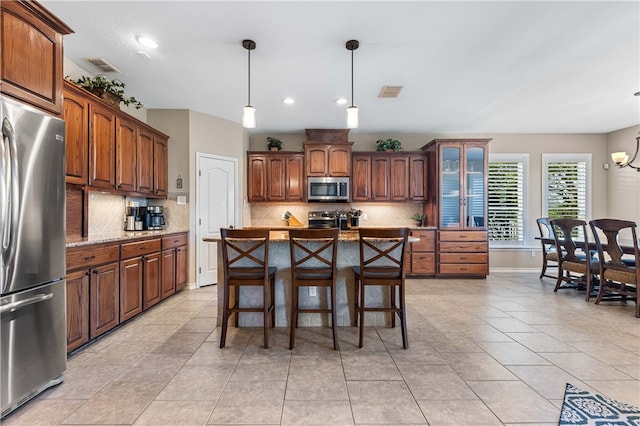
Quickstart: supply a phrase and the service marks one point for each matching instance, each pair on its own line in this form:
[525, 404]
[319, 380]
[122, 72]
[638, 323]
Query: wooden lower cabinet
[168, 286]
[463, 253]
[130, 288]
[151, 280]
[181, 267]
[422, 254]
[77, 309]
[104, 294]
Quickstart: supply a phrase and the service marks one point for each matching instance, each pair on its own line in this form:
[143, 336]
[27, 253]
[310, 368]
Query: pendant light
[622, 158]
[249, 112]
[352, 111]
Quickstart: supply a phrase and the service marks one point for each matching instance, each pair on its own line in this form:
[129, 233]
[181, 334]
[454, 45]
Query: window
[566, 185]
[506, 192]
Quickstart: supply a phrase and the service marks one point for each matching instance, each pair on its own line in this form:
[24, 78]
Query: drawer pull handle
[89, 258]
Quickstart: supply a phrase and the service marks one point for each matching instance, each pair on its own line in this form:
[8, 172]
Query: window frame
[515, 158]
[548, 158]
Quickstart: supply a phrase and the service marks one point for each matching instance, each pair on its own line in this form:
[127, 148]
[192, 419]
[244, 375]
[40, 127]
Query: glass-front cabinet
[463, 184]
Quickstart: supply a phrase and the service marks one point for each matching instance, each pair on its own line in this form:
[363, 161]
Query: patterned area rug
[582, 407]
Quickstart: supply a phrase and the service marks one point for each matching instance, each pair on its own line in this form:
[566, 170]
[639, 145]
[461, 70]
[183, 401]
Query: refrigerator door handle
[14, 306]
[5, 184]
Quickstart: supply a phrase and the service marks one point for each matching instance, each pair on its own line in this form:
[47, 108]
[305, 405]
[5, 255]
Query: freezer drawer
[33, 335]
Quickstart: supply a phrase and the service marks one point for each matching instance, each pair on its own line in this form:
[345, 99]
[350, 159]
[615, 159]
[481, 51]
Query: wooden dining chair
[245, 258]
[576, 266]
[549, 253]
[382, 258]
[313, 264]
[617, 275]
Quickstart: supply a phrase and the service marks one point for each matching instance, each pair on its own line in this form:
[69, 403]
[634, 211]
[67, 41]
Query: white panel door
[216, 208]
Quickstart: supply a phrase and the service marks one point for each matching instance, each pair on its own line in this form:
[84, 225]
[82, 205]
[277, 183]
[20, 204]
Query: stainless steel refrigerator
[32, 230]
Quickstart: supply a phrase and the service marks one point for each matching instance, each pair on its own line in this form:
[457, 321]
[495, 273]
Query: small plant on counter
[419, 218]
[111, 91]
[274, 144]
[388, 145]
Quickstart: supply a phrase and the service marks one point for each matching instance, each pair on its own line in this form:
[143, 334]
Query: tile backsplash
[107, 213]
[383, 214]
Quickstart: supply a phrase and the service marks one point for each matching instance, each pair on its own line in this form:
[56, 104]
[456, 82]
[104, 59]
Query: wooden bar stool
[245, 258]
[313, 264]
[382, 257]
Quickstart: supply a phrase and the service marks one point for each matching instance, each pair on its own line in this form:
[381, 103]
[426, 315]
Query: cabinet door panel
[151, 279]
[181, 267]
[418, 178]
[361, 178]
[126, 142]
[130, 288]
[102, 147]
[76, 117]
[77, 309]
[380, 174]
[168, 273]
[256, 178]
[399, 185]
[145, 161]
[275, 178]
[339, 160]
[104, 294]
[294, 181]
[317, 161]
[160, 162]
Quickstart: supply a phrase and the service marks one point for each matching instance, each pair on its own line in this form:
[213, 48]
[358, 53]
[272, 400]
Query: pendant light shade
[352, 111]
[249, 112]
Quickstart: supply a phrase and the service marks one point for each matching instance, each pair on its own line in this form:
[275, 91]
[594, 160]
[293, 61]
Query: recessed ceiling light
[147, 42]
[288, 101]
[341, 101]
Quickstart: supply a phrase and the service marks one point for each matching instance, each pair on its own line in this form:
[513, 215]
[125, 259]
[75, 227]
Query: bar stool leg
[225, 315]
[334, 317]
[392, 291]
[266, 307]
[403, 318]
[361, 287]
[293, 323]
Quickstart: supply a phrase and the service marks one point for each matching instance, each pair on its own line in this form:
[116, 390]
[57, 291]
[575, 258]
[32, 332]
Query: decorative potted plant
[388, 145]
[274, 144]
[112, 91]
[419, 218]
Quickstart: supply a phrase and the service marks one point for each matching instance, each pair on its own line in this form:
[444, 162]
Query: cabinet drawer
[174, 241]
[463, 258]
[472, 247]
[86, 257]
[140, 248]
[463, 236]
[427, 241]
[464, 269]
[423, 263]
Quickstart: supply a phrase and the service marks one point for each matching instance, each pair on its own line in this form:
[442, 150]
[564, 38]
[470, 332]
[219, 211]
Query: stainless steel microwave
[328, 189]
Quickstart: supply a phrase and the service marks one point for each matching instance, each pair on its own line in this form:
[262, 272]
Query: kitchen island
[279, 256]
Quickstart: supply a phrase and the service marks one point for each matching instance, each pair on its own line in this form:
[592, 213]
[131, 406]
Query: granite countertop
[119, 236]
[280, 235]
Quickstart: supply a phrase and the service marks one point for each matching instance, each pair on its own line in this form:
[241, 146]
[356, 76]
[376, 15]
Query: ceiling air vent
[390, 91]
[103, 65]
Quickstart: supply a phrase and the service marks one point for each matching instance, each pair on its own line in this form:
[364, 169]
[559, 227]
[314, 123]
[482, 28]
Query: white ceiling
[466, 67]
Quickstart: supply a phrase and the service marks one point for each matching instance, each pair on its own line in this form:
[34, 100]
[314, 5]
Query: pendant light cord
[352, 78]
[249, 77]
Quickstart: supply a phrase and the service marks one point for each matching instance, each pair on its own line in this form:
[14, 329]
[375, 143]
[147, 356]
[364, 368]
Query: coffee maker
[154, 218]
[133, 221]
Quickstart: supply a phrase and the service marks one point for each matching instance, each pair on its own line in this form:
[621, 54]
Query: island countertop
[282, 235]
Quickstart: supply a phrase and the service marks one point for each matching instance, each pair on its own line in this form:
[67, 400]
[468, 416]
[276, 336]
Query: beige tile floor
[483, 352]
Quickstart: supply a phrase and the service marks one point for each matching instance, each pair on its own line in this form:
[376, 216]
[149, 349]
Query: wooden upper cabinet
[102, 132]
[144, 148]
[418, 178]
[399, 184]
[160, 163]
[328, 159]
[361, 177]
[126, 142]
[380, 174]
[31, 56]
[256, 178]
[275, 176]
[76, 117]
[294, 182]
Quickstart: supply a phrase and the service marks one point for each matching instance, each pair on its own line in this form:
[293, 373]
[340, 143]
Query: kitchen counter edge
[121, 236]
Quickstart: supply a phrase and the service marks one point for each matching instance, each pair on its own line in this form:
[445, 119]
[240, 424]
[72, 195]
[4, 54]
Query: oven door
[324, 222]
